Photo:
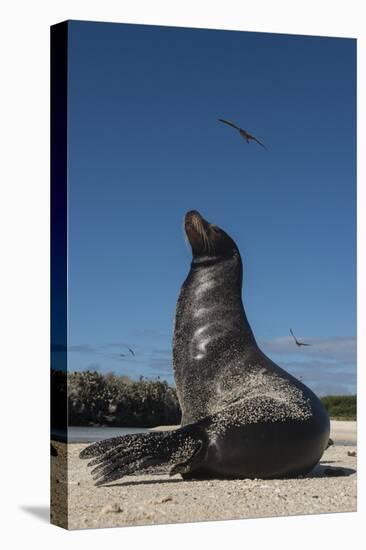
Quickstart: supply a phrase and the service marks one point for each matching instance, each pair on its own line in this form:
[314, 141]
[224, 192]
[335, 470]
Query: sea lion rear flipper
[155, 452]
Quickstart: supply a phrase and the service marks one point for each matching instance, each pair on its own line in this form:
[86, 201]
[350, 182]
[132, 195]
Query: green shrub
[341, 407]
[118, 401]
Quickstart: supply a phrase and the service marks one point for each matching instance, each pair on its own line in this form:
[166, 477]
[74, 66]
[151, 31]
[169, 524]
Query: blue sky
[145, 146]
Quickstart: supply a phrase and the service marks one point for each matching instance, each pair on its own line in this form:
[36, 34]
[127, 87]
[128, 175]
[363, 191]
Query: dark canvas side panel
[59, 274]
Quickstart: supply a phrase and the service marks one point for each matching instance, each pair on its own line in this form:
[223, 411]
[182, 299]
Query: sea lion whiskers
[200, 230]
[208, 244]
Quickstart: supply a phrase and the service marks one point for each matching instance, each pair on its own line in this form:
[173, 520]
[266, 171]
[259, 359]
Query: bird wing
[131, 351]
[229, 123]
[294, 337]
[297, 341]
[259, 142]
[248, 136]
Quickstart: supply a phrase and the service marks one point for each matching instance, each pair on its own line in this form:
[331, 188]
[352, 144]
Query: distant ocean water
[87, 434]
[343, 433]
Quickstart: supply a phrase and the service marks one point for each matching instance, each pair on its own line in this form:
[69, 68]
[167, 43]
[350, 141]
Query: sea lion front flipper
[102, 449]
[176, 451]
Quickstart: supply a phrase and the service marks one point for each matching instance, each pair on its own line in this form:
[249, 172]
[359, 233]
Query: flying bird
[248, 137]
[297, 342]
[130, 350]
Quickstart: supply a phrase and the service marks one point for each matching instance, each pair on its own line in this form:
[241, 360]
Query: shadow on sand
[147, 482]
[321, 470]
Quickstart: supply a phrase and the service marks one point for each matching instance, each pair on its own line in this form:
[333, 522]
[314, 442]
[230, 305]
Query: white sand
[343, 430]
[146, 500]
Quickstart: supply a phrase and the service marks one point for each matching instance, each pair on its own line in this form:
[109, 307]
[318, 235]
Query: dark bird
[248, 137]
[297, 342]
[130, 350]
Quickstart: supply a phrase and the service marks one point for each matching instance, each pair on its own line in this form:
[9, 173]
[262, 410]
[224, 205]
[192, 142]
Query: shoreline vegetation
[96, 399]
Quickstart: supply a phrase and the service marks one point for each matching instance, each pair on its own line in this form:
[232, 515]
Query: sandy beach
[151, 500]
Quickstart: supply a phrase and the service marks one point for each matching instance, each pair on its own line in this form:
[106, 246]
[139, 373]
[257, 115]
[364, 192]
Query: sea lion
[242, 415]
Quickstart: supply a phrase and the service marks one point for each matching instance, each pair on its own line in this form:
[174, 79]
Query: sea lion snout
[194, 219]
[207, 239]
[197, 230]
[192, 213]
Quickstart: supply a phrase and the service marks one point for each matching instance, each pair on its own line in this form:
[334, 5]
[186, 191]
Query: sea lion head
[208, 241]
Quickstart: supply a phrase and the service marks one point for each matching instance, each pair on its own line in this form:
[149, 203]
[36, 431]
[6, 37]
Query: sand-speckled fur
[242, 415]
